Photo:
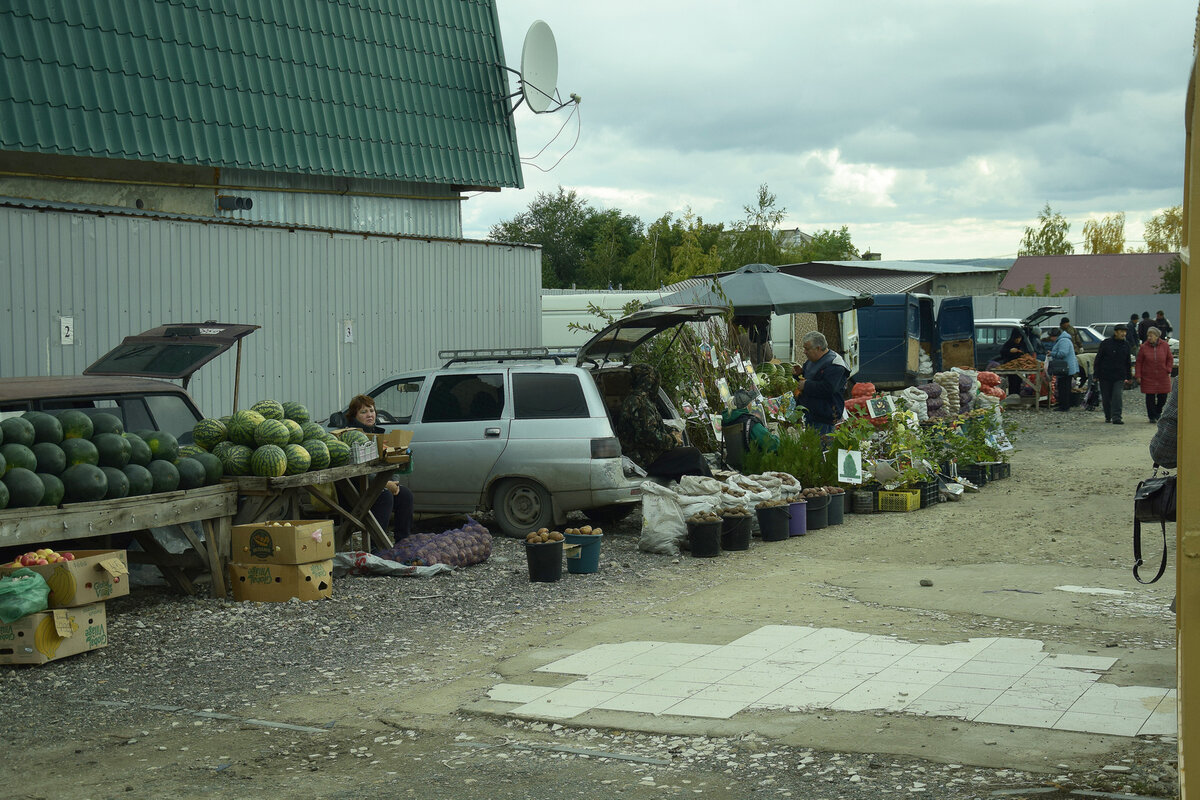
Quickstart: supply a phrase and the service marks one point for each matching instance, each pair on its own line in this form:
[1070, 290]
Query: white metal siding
[406, 299]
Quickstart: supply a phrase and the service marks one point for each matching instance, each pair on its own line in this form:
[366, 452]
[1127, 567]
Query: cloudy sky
[931, 129]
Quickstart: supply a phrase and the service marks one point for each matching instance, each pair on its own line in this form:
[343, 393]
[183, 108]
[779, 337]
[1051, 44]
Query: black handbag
[1058, 367]
[1154, 501]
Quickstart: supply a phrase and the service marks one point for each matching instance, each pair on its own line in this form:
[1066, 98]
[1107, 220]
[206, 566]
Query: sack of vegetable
[22, 592]
[460, 547]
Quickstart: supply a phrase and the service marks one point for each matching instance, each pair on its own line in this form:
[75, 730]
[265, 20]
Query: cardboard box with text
[93, 575]
[53, 634]
[284, 541]
[278, 583]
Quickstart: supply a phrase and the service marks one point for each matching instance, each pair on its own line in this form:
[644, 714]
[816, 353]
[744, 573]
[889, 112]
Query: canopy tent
[760, 289]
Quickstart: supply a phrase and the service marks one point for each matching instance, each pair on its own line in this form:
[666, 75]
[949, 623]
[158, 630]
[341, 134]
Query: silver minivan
[524, 434]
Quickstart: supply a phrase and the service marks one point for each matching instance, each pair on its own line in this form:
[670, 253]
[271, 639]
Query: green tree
[612, 238]
[1171, 274]
[1049, 238]
[690, 258]
[1106, 235]
[1029, 290]
[755, 238]
[1164, 232]
[554, 221]
[826, 245]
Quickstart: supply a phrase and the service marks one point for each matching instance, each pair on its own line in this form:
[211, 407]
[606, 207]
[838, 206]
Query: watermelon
[84, 483]
[294, 411]
[270, 409]
[272, 431]
[354, 436]
[221, 448]
[225, 419]
[3, 465]
[241, 427]
[80, 451]
[118, 482]
[163, 446]
[298, 459]
[75, 425]
[318, 454]
[17, 456]
[339, 453]
[50, 458]
[114, 449]
[139, 451]
[18, 430]
[3, 495]
[45, 427]
[189, 450]
[209, 432]
[268, 461]
[295, 432]
[237, 462]
[106, 423]
[25, 488]
[312, 430]
[213, 471]
[140, 480]
[191, 473]
[164, 475]
[54, 490]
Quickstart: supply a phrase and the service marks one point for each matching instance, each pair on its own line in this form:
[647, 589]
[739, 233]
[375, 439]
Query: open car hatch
[170, 351]
[621, 338]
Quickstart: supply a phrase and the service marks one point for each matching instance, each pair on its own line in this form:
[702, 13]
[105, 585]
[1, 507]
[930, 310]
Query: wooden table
[212, 506]
[359, 485]
[1036, 384]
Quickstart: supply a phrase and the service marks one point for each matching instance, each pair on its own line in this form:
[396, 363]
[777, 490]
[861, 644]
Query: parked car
[1090, 337]
[521, 432]
[991, 334]
[131, 380]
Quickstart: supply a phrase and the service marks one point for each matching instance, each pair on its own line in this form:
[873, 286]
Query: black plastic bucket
[818, 512]
[704, 538]
[545, 561]
[837, 508]
[773, 522]
[735, 533]
[864, 501]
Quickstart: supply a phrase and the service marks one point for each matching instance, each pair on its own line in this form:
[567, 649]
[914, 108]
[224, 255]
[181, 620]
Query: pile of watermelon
[272, 439]
[73, 457]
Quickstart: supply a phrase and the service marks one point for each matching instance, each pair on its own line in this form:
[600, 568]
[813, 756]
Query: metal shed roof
[370, 88]
[931, 267]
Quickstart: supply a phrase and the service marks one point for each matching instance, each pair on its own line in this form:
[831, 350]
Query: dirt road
[385, 687]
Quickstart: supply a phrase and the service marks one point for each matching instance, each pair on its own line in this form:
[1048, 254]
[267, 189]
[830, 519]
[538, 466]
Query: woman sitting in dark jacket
[396, 500]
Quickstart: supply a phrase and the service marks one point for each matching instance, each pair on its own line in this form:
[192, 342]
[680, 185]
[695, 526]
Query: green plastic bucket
[586, 559]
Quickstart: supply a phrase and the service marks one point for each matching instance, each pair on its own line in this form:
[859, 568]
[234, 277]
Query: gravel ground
[331, 665]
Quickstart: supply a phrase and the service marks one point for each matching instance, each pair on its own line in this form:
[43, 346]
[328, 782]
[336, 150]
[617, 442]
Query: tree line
[597, 248]
[1164, 234]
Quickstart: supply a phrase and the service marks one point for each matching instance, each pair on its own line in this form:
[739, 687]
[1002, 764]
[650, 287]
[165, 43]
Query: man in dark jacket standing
[1112, 371]
[820, 383]
[1144, 326]
[1131, 334]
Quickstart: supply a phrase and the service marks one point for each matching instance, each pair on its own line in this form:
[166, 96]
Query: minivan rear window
[544, 395]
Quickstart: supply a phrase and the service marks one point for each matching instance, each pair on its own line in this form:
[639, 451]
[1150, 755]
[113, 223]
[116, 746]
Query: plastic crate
[929, 494]
[904, 500]
[860, 501]
[998, 470]
[975, 473]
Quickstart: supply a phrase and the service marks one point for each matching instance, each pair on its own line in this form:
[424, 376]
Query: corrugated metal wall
[404, 300]
[1081, 309]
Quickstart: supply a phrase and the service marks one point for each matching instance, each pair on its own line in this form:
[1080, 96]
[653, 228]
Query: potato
[597, 531]
[586, 530]
[556, 536]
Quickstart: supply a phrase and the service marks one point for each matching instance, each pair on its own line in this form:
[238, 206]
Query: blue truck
[895, 332]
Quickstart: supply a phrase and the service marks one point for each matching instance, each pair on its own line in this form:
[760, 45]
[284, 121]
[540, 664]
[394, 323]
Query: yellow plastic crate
[907, 500]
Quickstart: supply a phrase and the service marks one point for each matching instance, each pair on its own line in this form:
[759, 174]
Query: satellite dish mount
[539, 72]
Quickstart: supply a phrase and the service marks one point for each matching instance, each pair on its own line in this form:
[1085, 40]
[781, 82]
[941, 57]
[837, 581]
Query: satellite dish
[539, 67]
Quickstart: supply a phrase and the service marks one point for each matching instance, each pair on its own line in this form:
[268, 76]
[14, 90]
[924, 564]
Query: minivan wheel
[521, 506]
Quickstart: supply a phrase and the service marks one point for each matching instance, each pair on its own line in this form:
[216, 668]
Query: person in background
[1144, 326]
[754, 339]
[1076, 340]
[820, 383]
[1153, 370]
[1131, 336]
[1163, 324]
[646, 439]
[1112, 372]
[741, 428]
[395, 501]
[1064, 349]
[1013, 347]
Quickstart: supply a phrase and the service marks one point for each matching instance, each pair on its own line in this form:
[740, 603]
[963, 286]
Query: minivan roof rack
[499, 354]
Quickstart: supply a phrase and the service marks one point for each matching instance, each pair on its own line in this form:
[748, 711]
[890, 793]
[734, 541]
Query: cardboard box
[278, 583]
[285, 541]
[93, 575]
[392, 446]
[54, 634]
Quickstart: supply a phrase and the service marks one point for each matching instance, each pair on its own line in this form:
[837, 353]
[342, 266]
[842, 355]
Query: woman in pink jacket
[1153, 368]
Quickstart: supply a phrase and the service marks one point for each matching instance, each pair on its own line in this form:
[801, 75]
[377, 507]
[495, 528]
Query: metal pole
[237, 374]
[1187, 530]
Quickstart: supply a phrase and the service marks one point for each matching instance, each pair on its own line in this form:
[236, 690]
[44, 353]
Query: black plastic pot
[773, 522]
[818, 512]
[545, 561]
[704, 538]
[837, 508]
[735, 533]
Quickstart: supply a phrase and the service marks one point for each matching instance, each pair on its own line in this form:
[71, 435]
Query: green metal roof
[409, 90]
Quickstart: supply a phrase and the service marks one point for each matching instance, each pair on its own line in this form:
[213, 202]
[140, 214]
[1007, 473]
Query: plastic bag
[22, 592]
[663, 526]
